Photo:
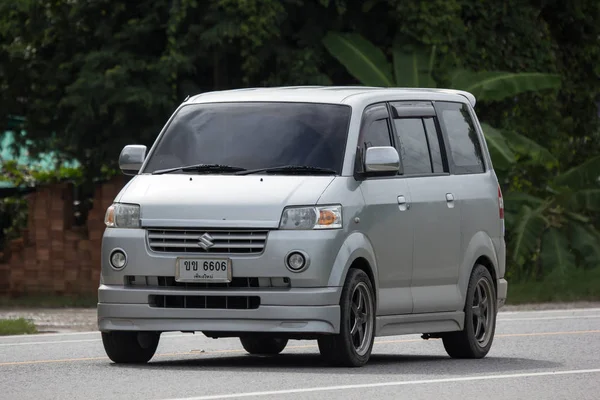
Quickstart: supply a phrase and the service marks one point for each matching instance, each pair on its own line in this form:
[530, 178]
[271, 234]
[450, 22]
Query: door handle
[450, 200]
[403, 205]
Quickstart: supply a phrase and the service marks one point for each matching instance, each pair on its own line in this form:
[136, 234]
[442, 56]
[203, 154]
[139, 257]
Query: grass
[16, 327]
[49, 301]
[579, 285]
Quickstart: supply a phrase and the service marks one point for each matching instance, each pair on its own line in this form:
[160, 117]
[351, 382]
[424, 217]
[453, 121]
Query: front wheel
[130, 347]
[352, 346]
[475, 340]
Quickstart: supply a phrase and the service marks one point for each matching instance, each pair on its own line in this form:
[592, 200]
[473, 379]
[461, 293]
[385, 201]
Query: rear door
[474, 180]
[386, 219]
[435, 210]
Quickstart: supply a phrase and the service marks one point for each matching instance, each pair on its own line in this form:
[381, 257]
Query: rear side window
[465, 148]
[412, 142]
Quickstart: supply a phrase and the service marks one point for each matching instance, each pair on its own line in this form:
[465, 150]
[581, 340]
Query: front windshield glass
[254, 135]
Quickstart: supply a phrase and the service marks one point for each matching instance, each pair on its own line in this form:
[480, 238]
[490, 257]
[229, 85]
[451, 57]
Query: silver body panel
[419, 243]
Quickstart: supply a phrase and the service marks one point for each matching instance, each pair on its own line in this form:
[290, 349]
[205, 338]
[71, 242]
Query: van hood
[251, 201]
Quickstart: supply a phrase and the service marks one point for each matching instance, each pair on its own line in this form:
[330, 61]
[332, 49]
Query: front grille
[239, 241]
[206, 302]
[168, 282]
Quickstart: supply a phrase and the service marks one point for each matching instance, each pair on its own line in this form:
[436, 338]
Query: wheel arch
[487, 263]
[480, 250]
[356, 252]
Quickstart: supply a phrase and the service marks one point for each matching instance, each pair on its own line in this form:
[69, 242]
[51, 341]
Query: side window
[433, 138]
[377, 134]
[412, 142]
[463, 140]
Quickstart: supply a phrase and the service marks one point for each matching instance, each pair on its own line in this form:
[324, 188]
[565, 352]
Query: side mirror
[131, 158]
[382, 161]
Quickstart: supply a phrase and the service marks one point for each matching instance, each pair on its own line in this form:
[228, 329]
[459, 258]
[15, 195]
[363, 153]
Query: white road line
[549, 318]
[386, 384]
[556, 310]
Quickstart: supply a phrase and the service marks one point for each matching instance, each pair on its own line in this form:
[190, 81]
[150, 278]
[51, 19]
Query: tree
[88, 76]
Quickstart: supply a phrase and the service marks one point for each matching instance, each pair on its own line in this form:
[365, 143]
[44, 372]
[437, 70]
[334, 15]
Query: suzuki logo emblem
[205, 241]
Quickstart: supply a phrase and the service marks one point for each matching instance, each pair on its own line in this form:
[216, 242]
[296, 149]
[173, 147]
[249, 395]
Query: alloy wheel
[361, 320]
[482, 312]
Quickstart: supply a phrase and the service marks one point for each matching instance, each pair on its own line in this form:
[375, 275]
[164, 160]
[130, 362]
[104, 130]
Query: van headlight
[322, 217]
[122, 216]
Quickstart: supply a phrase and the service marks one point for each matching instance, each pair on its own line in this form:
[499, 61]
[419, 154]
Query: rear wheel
[475, 340]
[352, 346]
[130, 347]
[263, 346]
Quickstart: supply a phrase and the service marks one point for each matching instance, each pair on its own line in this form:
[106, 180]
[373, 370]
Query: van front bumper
[298, 311]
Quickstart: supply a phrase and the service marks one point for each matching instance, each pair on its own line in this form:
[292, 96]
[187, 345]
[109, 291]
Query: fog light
[296, 261]
[118, 259]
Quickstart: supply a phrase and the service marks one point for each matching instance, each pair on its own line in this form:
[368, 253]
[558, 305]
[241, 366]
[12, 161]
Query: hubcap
[482, 312]
[361, 321]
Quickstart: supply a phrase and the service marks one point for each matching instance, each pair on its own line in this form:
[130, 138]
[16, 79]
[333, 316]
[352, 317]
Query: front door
[387, 221]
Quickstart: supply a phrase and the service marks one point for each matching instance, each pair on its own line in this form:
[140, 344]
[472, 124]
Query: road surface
[550, 354]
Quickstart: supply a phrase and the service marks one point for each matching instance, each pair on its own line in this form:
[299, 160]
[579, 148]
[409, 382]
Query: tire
[349, 348]
[475, 340]
[263, 346]
[130, 347]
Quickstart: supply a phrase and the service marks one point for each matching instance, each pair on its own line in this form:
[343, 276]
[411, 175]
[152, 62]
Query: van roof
[332, 94]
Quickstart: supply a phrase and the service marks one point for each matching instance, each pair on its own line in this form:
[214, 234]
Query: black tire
[262, 345]
[130, 347]
[472, 342]
[341, 349]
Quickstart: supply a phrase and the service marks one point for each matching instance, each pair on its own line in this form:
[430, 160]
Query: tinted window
[412, 142]
[434, 145]
[377, 134]
[463, 140]
[254, 135]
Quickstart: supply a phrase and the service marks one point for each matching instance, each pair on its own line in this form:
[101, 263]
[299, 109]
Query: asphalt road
[536, 355]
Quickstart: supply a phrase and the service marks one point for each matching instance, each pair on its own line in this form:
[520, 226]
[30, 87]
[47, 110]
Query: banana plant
[370, 65]
[558, 226]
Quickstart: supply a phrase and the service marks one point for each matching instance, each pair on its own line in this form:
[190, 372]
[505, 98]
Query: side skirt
[389, 325]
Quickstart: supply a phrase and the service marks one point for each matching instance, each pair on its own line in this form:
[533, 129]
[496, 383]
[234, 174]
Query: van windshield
[254, 136]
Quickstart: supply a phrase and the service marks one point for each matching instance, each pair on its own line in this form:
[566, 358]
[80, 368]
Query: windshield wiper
[290, 169]
[201, 168]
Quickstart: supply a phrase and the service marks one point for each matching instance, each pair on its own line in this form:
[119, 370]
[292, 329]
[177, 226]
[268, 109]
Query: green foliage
[413, 69]
[556, 255]
[494, 86]
[579, 285]
[18, 326]
[364, 61]
[502, 156]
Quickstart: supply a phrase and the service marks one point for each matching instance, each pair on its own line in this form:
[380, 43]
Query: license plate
[203, 270]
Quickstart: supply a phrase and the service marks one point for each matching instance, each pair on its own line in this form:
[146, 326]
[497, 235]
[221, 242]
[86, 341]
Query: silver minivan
[329, 213]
